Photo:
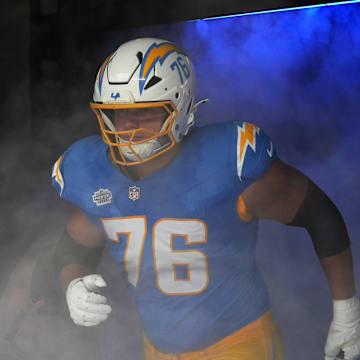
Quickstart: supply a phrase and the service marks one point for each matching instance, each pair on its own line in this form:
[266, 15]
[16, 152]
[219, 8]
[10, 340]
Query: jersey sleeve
[74, 173]
[254, 151]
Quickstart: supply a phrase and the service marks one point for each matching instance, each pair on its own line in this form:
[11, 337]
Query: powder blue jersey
[176, 235]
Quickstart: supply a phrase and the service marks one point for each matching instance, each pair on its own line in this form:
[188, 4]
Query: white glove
[344, 332]
[86, 307]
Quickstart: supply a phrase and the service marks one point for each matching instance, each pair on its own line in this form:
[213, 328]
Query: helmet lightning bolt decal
[155, 53]
[246, 137]
[102, 71]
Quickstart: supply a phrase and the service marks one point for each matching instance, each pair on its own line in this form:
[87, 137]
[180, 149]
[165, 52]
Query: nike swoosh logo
[271, 150]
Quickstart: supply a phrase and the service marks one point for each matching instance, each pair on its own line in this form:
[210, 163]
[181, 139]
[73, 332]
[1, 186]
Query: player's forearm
[73, 259]
[71, 272]
[340, 274]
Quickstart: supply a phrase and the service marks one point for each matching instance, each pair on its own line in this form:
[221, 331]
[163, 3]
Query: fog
[296, 74]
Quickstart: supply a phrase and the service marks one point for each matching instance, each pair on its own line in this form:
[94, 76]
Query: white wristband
[346, 310]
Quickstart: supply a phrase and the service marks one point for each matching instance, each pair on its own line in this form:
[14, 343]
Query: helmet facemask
[137, 144]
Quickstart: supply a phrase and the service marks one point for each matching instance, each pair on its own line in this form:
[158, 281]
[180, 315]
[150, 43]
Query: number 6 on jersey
[166, 259]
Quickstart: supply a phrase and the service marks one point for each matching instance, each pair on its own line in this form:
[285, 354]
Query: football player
[179, 210]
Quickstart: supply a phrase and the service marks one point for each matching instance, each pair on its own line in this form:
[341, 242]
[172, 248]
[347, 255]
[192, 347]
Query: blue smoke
[296, 74]
[296, 70]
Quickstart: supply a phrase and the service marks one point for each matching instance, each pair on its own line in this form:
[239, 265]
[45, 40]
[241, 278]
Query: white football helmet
[148, 74]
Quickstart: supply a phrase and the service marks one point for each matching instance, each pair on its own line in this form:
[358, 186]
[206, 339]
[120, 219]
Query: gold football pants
[259, 340]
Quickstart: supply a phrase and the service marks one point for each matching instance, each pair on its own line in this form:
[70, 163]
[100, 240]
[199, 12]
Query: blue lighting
[279, 10]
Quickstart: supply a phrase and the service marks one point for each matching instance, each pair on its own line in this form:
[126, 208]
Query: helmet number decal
[181, 67]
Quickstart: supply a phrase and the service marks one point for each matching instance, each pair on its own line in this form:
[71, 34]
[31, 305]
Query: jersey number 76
[165, 258]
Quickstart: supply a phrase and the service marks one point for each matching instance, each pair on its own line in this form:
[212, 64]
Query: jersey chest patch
[134, 193]
[102, 197]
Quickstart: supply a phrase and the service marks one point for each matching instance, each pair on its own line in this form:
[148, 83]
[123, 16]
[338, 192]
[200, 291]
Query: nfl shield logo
[134, 193]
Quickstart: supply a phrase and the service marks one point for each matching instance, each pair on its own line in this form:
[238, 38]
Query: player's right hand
[343, 340]
[86, 306]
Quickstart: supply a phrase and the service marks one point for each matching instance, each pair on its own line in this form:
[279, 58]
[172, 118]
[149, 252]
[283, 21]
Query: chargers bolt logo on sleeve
[246, 138]
[57, 176]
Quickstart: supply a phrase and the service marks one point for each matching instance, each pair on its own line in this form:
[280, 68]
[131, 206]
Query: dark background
[50, 51]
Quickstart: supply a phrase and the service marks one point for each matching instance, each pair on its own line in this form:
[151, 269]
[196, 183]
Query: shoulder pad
[77, 156]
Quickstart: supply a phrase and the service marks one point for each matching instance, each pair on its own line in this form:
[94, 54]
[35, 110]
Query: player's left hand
[344, 332]
[86, 306]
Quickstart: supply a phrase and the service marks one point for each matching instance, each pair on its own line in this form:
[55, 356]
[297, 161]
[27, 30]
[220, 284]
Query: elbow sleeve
[323, 221]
